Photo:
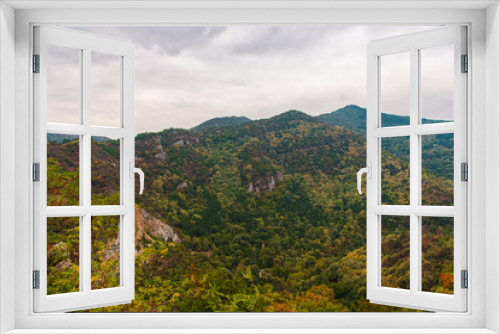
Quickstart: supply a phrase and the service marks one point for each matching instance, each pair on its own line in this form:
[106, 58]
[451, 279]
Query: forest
[252, 216]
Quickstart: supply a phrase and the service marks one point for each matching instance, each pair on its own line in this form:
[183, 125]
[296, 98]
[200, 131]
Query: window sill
[250, 331]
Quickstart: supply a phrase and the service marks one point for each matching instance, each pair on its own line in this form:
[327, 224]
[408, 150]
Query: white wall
[492, 165]
[7, 160]
[23, 219]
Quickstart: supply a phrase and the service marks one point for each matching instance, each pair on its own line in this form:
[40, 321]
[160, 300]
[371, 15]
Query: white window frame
[484, 211]
[414, 297]
[86, 44]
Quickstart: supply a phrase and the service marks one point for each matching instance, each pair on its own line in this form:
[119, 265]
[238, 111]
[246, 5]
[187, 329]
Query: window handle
[368, 171]
[134, 170]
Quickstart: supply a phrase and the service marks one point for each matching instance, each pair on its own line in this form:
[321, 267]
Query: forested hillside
[262, 216]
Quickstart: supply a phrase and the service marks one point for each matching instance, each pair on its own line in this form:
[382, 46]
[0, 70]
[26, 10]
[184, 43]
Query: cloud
[186, 75]
[63, 88]
[262, 41]
[164, 40]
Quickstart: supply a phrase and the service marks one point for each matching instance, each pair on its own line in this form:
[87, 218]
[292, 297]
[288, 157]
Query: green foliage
[63, 253]
[437, 150]
[268, 215]
[105, 261]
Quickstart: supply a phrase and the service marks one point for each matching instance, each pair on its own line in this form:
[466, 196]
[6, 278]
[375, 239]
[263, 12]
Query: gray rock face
[155, 145]
[149, 227]
[160, 153]
[265, 183]
[162, 156]
[180, 142]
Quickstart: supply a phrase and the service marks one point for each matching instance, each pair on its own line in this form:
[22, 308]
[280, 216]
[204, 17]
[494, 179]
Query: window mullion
[415, 238]
[86, 230]
[110, 132]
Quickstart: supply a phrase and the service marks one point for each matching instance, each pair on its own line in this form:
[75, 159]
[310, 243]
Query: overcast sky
[187, 75]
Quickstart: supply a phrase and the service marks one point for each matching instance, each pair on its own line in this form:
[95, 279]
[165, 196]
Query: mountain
[350, 117]
[353, 118]
[60, 138]
[437, 150]
[221, 122]
[267, 213]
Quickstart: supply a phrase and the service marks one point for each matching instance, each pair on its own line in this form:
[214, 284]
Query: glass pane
[437, 169]
[437, 254]
[437, 83]
[395, 171]
[63, 255]
[105, 171]
[63, 84]
[106, 89]
[396, 252]
[63, 170]
[105, 252]
[395, 89]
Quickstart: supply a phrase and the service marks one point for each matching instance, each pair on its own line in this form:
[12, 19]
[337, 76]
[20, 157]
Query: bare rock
[264, 183]
[149, 227]
[180, 142]
[162, 156]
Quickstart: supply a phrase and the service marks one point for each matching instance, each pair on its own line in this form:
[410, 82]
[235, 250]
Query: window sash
[86, 297]
[414, 298]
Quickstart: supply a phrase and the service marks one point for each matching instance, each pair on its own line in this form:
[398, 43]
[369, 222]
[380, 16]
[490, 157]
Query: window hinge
[36, 63]
[465, 279]
[464, 172]
[465, 64]
[36, 279]
[36, 172]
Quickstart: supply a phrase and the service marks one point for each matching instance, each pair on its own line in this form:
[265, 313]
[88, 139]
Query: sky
[187, 75]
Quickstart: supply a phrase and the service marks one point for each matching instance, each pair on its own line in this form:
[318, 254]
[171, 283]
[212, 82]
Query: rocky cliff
[148, 228]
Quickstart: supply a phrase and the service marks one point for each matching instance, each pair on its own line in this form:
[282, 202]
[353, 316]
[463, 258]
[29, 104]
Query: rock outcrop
[153, 145]
[148, 227]
[264, 183]
[182, 185]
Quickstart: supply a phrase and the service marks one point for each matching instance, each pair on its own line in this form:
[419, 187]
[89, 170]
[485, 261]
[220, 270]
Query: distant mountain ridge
[60, 138]
[351, 117]
[222, 122]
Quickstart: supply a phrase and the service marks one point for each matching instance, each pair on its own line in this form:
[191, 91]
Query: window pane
[395, 89]
[105, 171]
[437, 83]
[63, 255]
[105, 252]
[63, 170]
[395, 171]
[63, 85]
[396, 252]
[437, 254]
[437, 169]
[106, 89]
